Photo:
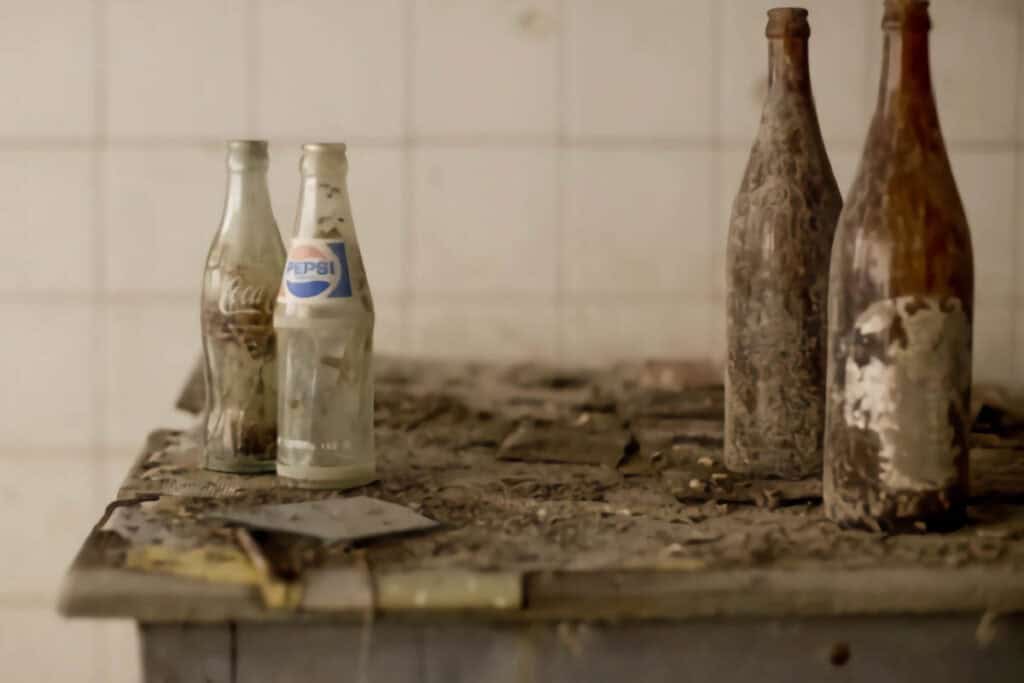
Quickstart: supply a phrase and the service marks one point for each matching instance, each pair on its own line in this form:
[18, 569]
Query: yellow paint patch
[217, 565]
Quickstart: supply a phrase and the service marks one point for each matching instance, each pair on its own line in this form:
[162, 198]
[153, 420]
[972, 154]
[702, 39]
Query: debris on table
[541, 533]
[589, 440]
[332, 520]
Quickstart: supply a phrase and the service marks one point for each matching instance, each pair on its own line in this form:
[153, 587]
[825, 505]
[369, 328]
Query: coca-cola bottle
[243, 270]
[901, 303]
[780, 236]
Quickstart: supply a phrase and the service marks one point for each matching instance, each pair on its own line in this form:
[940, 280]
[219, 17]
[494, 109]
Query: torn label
[906, 376]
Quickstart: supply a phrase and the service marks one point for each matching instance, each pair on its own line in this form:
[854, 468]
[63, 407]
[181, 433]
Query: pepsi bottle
[324, 325]
[242, 273]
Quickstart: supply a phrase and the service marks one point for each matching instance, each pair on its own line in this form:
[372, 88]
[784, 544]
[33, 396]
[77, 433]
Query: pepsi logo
[316, 270]
[310, 271]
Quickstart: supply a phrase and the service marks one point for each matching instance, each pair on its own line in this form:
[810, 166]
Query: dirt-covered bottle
[324, 321]
[780, 237]
[901, 307]
[243, 271]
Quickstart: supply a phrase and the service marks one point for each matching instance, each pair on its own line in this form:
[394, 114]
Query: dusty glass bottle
[901, 306]
[780, 237]
[243, 271]
[324, 322]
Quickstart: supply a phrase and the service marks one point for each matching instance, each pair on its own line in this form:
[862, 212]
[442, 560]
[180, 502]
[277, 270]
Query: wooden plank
[449, 590]
[771, 592]
[863, 649]
[337, 591]
[468, 653]
[854, 650]
[187, 652]
[120, 593]
[315, 653]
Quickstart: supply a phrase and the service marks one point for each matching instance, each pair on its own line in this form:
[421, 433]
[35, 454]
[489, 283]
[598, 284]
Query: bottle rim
[243, 154]
[325, 147]
[787, 22]
[907, 14]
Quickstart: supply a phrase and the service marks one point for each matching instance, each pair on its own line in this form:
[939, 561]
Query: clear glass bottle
[324, 322]
[780, 237]
[243, 271]
[901, 302]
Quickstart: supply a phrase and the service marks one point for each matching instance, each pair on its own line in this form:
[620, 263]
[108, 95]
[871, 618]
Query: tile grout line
[253, 67]
[869, 46]
[561, 177]
[488, 141]
[132, 301]
[407, 244]
[101, 362]
[1015, 210]
[717, 150]
[98, 297]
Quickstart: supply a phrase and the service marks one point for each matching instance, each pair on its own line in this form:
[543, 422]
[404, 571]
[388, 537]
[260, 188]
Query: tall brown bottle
[900, 309]
[780, 237]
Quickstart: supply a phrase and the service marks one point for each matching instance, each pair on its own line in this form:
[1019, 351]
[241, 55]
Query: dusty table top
[563, 494]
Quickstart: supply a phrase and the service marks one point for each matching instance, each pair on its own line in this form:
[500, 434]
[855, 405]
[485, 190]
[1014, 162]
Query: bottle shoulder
[788, 155]
[902, 195]
[903, 231]
[789, 118]
[785, 202]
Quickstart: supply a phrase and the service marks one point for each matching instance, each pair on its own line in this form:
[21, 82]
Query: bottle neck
[324, 208]
[247, 195]
[788, 65]
[906, 91]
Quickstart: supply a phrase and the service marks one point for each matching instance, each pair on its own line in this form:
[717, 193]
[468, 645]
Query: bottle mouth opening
[248, 145]
[787, 22]
[325, 148]
[907, 14]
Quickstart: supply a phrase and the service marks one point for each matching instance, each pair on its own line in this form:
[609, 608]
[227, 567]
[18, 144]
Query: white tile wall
[638, 220]
[645, 326]
[389, 324]
[640, 69]
[531, 179]
[49, 373]
[119, 653]
[150, 351]
[974, 78]
[56, 40]
[175, 69]
[162, 208]
[38, 646]
[994, 332]
[462, 48]
[54, 252]
[485, 221]
[986, 183]
[523, 327]
[329, 70]
[50, 502]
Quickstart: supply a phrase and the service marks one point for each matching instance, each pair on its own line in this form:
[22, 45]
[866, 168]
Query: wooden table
[589, 533]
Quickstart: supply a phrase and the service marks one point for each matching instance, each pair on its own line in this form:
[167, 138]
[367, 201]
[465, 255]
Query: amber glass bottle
[780, 237]
[901, 304]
